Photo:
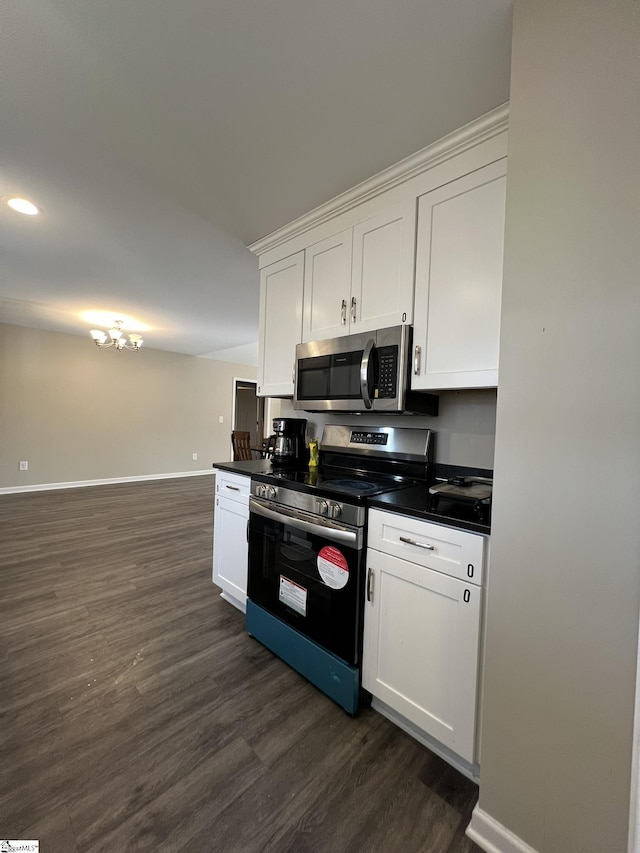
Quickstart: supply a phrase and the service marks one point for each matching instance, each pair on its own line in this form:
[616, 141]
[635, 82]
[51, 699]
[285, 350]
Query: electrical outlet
[220, 419]
[24, 466]
[194, 456]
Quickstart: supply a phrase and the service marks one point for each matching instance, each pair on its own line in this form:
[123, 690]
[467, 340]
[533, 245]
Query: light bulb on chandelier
[116, 338]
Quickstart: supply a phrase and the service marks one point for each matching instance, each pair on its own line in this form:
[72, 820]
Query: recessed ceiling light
[21, 205]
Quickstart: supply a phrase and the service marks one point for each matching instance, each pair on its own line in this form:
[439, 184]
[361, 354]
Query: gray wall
[465, 426]
[564, 585]
[75, 412]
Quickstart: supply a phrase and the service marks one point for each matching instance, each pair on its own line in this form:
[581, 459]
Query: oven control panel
[328, 508]
[264, 491]
[342, 512]
[362, 437]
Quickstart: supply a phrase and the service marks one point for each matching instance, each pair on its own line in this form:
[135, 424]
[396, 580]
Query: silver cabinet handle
[353, 309]
[233, 488]
[424, 545]
[416, 360]
[343, 312]
[369, 584]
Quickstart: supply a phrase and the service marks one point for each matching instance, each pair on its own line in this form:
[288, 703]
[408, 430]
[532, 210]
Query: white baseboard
[42, 487]
[493, 837]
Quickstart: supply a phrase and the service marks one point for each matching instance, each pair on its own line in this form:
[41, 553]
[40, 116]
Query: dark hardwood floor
[138, 715]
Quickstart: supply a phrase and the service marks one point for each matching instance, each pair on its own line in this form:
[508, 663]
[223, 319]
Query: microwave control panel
[387, 372]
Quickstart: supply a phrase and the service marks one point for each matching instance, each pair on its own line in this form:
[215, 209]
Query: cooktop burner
[358, 487]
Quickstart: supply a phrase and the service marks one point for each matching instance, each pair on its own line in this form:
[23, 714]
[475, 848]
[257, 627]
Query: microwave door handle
[365, 368]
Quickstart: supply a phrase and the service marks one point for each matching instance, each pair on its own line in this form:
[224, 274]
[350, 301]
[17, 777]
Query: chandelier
[116, 338]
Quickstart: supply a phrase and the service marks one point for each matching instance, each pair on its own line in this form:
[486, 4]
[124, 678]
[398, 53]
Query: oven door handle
[325, 528]
[365, 370]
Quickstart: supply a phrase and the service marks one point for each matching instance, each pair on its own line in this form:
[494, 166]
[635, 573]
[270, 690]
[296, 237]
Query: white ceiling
[161, 137]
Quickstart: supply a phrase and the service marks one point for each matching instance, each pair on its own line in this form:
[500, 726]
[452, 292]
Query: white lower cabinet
[422, 628]
[230, 549]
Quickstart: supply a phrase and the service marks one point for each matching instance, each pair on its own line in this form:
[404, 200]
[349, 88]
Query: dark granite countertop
[254, 466]
[414, 501]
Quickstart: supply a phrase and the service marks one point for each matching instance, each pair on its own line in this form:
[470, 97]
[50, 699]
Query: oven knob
[271, 492]
[335, 510]
[322, 507]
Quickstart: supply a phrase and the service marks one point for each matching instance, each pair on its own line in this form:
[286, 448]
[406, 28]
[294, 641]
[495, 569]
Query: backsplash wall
[465, 427]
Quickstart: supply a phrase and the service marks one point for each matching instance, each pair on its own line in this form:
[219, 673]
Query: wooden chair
[241, 446]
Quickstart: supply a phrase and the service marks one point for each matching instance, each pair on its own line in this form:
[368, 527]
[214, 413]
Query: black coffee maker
[290, 449]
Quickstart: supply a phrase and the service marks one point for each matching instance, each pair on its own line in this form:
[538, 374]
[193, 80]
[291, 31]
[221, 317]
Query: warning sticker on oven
[333, 567]
[293, 595]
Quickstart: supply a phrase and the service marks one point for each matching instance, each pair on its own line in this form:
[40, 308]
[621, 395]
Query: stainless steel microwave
[367, 372]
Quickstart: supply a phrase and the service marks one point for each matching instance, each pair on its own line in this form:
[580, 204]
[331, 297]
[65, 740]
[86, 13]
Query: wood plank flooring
[138, 715]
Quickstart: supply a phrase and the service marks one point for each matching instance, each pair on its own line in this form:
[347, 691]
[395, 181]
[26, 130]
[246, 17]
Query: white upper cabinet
[361, 279]
[327, 287]
[382, 271]
[432, 224]
[281, 288]
[459, 282]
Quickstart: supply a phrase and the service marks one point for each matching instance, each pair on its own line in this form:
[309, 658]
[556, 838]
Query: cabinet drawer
[457, 553]
[235, 487]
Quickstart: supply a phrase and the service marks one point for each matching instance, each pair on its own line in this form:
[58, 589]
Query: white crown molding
[79, 484]
[485, 127]
[493, 837]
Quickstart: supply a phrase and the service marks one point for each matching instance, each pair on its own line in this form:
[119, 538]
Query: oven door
[309, 572]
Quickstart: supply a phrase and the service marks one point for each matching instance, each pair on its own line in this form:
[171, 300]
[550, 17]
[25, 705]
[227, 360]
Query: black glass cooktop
[347, 482]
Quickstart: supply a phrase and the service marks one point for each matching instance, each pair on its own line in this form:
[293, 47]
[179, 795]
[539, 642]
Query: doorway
[248, 410]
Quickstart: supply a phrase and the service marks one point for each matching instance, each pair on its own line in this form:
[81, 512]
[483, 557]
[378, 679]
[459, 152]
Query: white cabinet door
[421, 641]
[281, 291]
[362, 278]
[454, 552]
[459, 282]
[230, 549]
[383, 270]
[327, 288]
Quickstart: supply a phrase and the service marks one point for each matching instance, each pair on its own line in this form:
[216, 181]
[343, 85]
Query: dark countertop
[414, 501]
[255, 466]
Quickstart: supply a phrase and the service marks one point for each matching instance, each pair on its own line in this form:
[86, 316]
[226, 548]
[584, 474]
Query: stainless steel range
[307, 534]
